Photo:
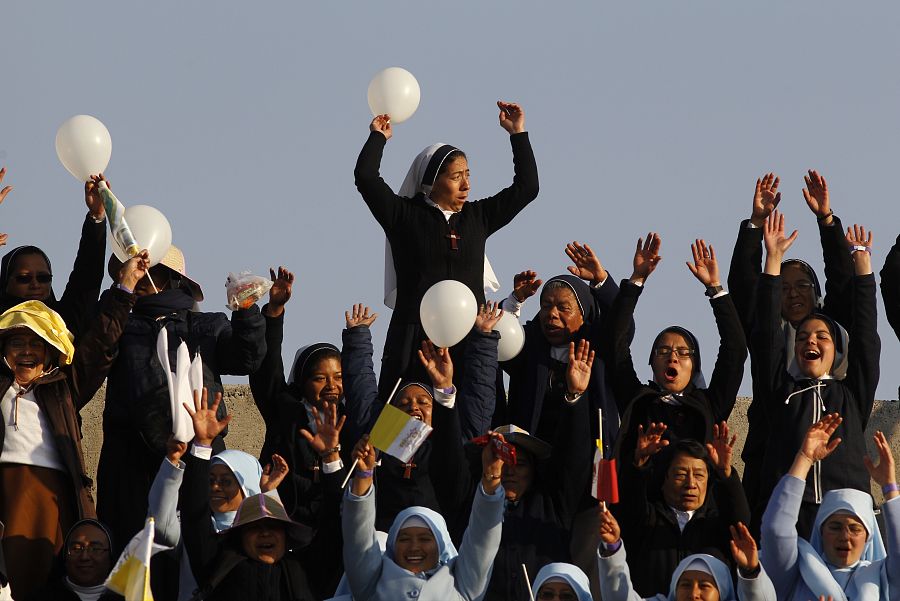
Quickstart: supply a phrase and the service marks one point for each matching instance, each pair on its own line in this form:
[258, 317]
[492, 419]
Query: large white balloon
[150, 229]
[395, 92]
[512, 337]
[448, 312]
[83, 146]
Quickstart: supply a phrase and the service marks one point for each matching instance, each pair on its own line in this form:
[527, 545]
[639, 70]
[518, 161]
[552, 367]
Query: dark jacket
[223, 572]
[531, 371]
[700, 408]
[64, 392]
[852, 397]
[58, 591]
[890, 286]
[404, 485]
[743, 278]
[650, 530]
[78, 302]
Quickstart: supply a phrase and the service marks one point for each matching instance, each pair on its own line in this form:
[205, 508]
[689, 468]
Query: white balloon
[448, 312]
[395, 92]
[83, 146]
[512, 337]
[151, 230]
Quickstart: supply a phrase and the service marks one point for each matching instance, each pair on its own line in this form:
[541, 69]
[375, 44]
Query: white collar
[682, 517]
[447, 214]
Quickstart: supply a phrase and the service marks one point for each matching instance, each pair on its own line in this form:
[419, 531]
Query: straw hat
[43, 321]
[174, 260]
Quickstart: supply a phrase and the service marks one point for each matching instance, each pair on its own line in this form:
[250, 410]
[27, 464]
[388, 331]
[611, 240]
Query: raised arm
[747, 256]
[362, 555]
[501, 208]
[729, 493]
[477, 395]
[378, 196]
[616, 339]
[360, 384]
[268, 381]
[729, 368]
[163, 498]
[779, 522]
[241, 346]
[614, 575]
[864, 348]
[884, 473]
[890, 286]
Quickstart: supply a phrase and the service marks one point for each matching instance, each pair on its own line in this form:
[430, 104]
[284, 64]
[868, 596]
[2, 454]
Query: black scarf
[7, 300]
[164, 303]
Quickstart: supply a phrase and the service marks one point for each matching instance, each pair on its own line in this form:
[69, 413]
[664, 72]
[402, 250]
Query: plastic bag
[244, 289]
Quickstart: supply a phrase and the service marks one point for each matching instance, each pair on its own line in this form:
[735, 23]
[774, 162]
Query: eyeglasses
[665, 351]
[801, 287]
[90, 550]
[564, 596]
[27, 278]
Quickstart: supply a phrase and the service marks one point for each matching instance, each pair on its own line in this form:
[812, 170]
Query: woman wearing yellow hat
[44, 382]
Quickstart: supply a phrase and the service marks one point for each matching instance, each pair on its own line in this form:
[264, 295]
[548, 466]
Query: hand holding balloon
[382, 124]
[92, 197]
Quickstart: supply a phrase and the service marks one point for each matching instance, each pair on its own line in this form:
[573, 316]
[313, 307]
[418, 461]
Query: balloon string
[155, 289]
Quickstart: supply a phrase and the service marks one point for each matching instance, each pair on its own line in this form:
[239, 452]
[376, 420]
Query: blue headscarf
[247, 471]
[720, 573]
[573, 576]
[435, 521]
[867, 579]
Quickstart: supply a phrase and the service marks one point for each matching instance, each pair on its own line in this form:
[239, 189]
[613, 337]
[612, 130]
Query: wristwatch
[711, 291]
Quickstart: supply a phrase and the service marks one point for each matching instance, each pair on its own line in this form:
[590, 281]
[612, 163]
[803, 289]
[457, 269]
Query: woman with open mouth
[677, 396]
[845, 557]
[833, 374]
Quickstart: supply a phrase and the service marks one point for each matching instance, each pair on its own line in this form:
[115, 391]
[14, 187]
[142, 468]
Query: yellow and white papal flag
[398, 434]
[131, 576]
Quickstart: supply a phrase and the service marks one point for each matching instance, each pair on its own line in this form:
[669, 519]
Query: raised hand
[7, 189]
[721, 448]
[525, 285]
[860, 243]
[280, 292]
[649, 442]
[175, 450]
[273, 474]
[328, 432]
[382, 124]
[206, 425]
[587, 264]
[512, 117]
[359, 316]
[491, 464]
[365, 459]
[765, 198]
[816, 195]
[610, 533]
[884, 472]
[646, 257]
[773, 236]
[488, 316]
[578, 372]
[438, 364]
[134, 270]
[92, 197]
[705, 267]
[817, 445]
[743, 548]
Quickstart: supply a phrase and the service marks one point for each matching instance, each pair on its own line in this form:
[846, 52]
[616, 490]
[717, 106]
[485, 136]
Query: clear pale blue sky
[242, 122]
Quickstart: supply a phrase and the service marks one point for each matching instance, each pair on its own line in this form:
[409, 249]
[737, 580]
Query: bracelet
[860, 248]
[571, 397]
[824, 217]
[365, 473]
[891, 487]
[336, 449]
[491, 476]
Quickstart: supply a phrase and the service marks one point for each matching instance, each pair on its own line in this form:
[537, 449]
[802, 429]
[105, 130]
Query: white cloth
[86, 593]
[683, 517]
[28, 437]
[411, 186]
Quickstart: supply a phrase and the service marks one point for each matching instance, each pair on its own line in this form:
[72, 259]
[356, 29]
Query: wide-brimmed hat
[263, 507]
[520, 438]
[174, 260]
[43, 321]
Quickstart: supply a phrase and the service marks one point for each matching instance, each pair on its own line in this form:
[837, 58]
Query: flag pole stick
[527, 582]
[356, 462]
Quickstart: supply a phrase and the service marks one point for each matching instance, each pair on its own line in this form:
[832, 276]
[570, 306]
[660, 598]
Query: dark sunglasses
[27, 278]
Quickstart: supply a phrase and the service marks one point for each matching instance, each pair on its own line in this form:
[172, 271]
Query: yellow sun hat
[43, 321]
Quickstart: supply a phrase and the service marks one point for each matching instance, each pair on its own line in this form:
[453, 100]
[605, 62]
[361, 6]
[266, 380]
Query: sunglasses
[27, 278]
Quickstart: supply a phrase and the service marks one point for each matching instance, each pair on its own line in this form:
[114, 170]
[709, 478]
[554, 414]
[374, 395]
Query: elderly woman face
[29, 278]
[26, 354]
[843, 539]
[225, 492]
[560, 315]
[264, 541]
[416, 549]
[88, 559]
[556, 590]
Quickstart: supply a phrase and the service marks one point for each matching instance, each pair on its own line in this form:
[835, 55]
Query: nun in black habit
[433, 233]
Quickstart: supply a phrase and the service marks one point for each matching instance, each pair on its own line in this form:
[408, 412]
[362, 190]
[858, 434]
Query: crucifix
[453, 236]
